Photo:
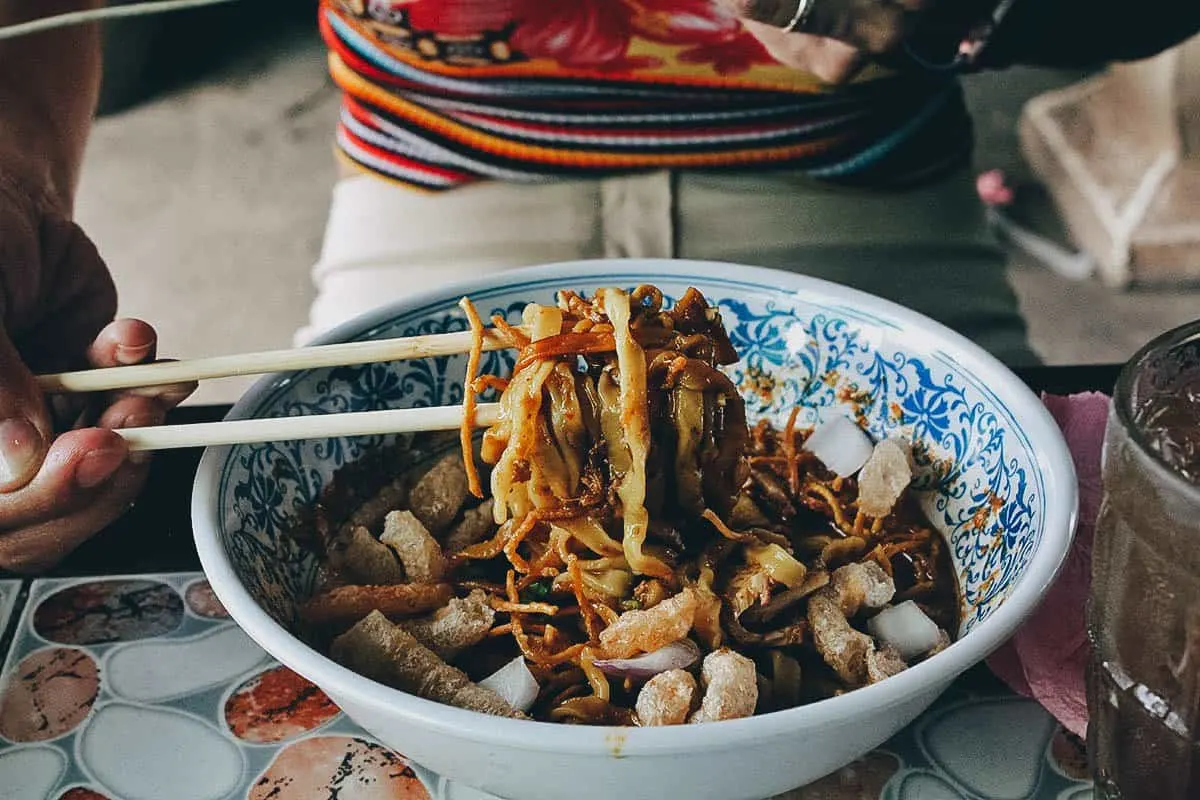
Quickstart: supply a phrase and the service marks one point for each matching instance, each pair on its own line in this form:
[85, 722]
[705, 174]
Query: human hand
[831, 60]
[64, 474]
[832, 39]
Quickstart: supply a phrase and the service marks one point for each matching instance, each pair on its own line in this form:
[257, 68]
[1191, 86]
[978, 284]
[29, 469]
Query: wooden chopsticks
[363, 423]
[165, 373]
[321, 426]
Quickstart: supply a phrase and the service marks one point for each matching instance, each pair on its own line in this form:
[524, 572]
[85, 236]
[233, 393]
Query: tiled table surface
[139, 687]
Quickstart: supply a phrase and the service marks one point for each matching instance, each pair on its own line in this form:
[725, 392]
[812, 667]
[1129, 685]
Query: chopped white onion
[515, 683]
[679, 654]
[841, 445]
[906, 628]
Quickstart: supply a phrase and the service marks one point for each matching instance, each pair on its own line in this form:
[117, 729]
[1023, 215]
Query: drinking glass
[1144, 611]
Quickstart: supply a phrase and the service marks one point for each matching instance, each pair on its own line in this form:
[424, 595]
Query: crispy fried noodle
[641, 554]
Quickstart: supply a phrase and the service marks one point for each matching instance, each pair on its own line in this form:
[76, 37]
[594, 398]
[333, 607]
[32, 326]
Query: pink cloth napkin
[1045, 659]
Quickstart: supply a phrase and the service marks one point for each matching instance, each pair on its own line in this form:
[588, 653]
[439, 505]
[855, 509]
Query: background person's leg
[384, 242]
[927, 249]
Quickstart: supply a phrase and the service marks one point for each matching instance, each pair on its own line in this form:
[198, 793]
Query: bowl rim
[1045, 440]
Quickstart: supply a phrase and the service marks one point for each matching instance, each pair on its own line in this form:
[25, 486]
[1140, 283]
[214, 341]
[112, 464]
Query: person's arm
[48, 88]
[65, 475]
[1087, 33]
[914, 34]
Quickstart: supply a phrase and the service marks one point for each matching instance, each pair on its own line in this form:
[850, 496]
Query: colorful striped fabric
[436, 97]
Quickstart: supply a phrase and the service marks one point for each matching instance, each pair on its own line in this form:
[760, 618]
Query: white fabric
[928, 248]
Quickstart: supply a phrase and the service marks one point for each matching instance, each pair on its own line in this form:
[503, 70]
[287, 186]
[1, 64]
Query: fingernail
[20, 447]
[171, 396]
[141, 457]
[97, 467]
[141, 421]
[132, 355]
[177, 396]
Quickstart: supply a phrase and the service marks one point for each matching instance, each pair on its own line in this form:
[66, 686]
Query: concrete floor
[209, 203]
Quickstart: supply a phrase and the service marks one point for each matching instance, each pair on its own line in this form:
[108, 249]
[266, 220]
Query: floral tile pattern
[8, 601]
[968, 745]
[142, 688]
[9, 592]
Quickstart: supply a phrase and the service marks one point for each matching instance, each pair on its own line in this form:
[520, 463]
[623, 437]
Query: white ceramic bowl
[984, 439]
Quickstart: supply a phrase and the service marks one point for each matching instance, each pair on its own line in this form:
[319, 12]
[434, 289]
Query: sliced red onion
[841, 445]
[679, 654]
[906, 628]
[515, 683]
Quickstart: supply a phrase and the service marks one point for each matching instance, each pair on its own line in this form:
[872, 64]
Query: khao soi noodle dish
[622, 547]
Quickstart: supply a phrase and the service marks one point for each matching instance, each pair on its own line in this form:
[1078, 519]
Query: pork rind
[363, 559]
[843, 648]
[884, 477]
[730, 687]
[884, 664]
[345, 605]
[440, 493]
[650, 593]
[862, 586]
[852, 588]
[456, 626]
[370, 514]
[476, 525]
[666, 699]
[418, 551]
[644, 631]
[387, 653]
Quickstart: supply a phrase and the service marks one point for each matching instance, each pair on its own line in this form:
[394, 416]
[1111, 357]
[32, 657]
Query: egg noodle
[638, 532]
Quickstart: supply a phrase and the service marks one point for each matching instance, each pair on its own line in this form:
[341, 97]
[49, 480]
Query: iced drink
[1144, 616]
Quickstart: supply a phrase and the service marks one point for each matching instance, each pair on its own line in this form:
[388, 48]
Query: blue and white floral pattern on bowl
[978, 477]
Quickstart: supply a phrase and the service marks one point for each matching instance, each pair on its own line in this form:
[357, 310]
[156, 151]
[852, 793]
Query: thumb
[25, 426]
